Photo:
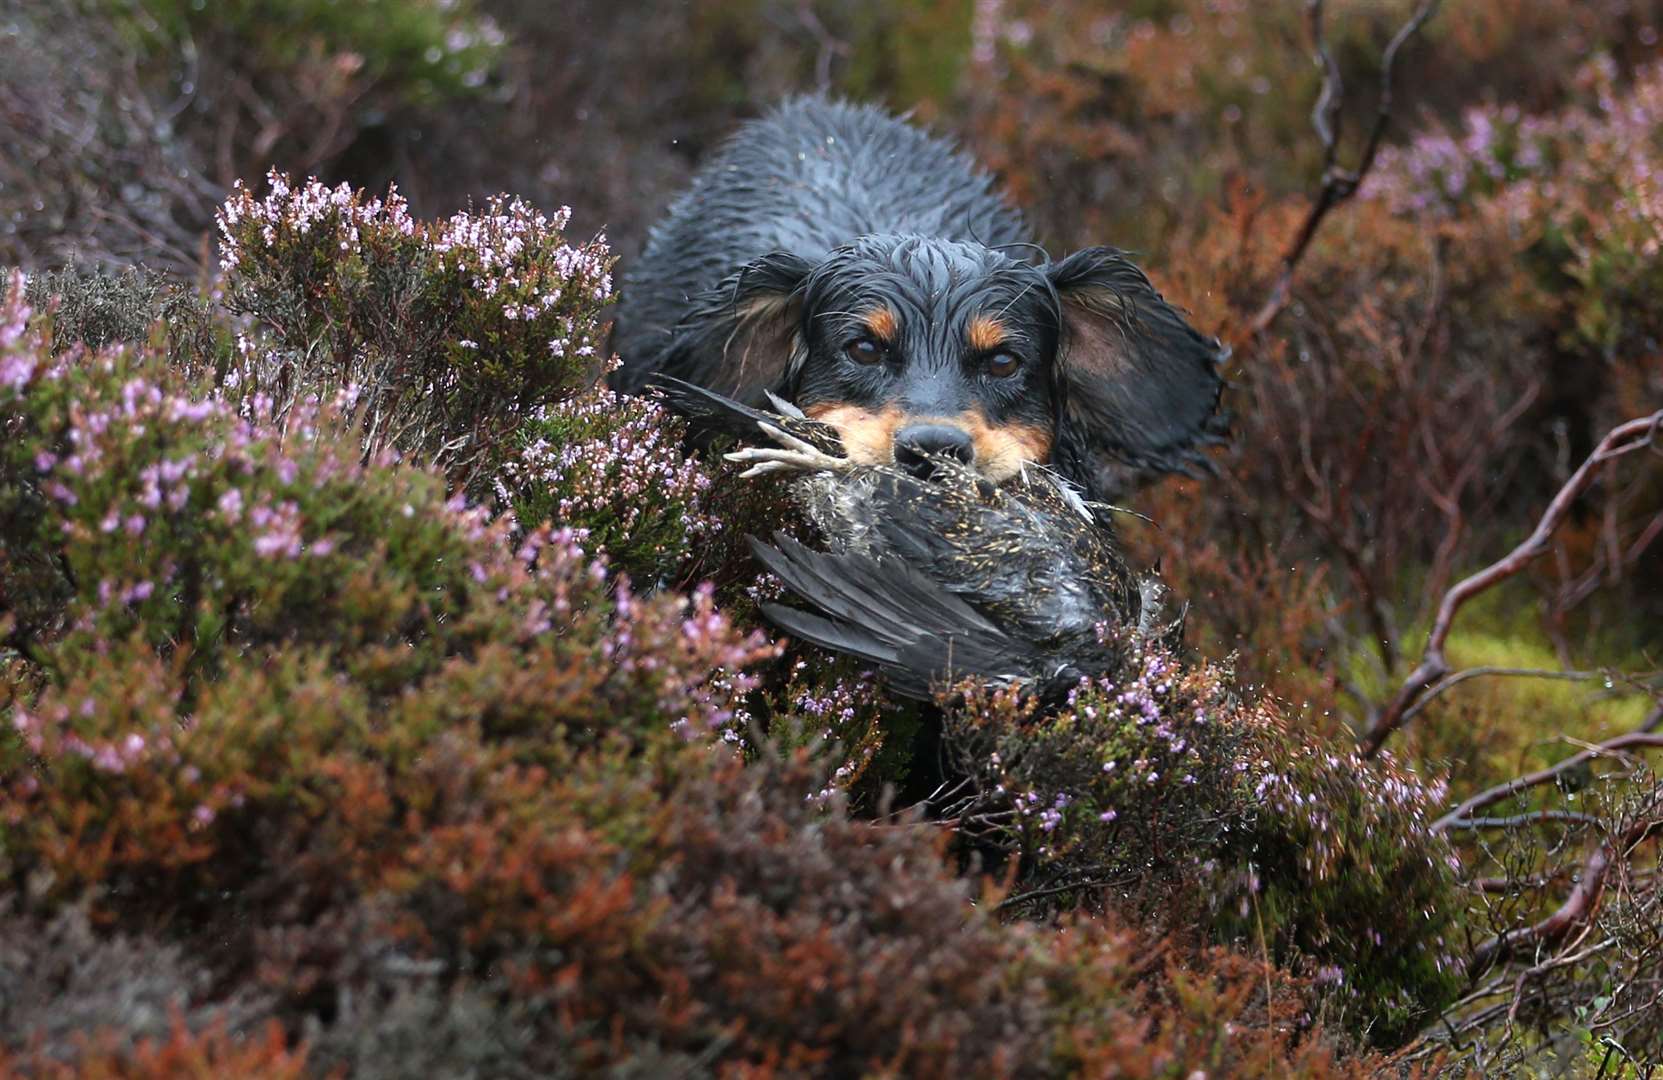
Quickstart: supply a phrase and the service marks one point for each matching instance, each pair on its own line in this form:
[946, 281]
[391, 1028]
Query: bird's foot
[792, 454]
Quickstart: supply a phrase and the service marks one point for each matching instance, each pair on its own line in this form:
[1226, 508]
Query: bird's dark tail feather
[884, 612]
[708, 411]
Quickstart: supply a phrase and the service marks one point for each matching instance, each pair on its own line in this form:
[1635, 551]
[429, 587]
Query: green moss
[1493, 727]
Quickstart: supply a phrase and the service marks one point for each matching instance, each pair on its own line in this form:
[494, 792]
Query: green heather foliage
[449, 334]
[96, 308]
[1163, 788]
[615, 465]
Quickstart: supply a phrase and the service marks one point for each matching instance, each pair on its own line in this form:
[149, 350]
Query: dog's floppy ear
[743, 336]
[1140, 386]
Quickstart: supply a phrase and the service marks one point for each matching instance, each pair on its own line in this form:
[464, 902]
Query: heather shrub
[1137, 1007]
[439, 792]
[159, 538]
[96, 308]
[1340, 869]
[1428, 376]
[1577, 185]
[450, 334]
[61, 982]
[613, 468]
[1118, 125]
[1159, 786]
[420, 790]
[182, 1053]
[1133, 775]
[865, 739]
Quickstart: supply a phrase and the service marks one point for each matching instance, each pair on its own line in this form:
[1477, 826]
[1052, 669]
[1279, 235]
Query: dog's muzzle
[918, 446]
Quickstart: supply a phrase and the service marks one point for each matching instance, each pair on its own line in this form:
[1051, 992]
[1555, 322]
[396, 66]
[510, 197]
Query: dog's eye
[865, 351]
[1003, 365]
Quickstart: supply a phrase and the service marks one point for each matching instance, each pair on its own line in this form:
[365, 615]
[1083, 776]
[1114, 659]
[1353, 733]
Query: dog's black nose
[918, 444]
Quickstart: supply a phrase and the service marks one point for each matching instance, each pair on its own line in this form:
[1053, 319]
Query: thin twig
[1492, 795]
[1475, 672]
[1508, 886]
[1549, 965]
[1532, 817]
[1338, 182]
[1623, 439]
[1577, 909]
[1083, 879]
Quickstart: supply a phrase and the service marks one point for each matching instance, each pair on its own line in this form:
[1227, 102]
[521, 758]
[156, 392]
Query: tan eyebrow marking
[985, 333]
[882, 322]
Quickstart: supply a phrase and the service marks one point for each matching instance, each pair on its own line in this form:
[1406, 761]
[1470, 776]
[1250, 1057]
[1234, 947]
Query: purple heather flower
[14, 319]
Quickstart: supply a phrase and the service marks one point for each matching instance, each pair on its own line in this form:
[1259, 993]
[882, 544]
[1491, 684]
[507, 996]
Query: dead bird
[938, 575]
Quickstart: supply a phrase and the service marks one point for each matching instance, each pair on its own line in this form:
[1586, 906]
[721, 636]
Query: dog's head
[915, 346]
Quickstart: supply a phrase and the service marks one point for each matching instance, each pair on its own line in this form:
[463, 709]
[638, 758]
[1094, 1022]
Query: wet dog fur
[864, 269]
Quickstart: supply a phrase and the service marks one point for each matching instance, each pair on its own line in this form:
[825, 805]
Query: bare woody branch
[1623, 439]
[1338, 183]
[1533, 817]
[1462, 676]
[1577, 909]
[1461, 815]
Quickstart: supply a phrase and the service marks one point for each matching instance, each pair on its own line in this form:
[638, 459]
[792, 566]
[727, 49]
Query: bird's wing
[889, 614]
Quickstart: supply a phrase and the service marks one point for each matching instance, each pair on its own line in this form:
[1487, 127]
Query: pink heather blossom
[16, 370]
[507, 250]
[1498, 153]
[14, 319]
[631, 470]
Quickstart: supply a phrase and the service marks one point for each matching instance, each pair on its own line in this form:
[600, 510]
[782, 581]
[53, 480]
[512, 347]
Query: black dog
[866, 271]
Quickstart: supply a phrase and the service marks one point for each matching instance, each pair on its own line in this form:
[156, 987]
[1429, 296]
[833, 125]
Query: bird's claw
[792, 454]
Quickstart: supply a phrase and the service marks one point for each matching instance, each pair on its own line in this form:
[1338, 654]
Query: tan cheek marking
[1002, 451]
[882, 323]
[868, 437]
[985, 333]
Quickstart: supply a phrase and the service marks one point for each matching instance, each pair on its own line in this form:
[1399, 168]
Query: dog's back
[809, 176]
